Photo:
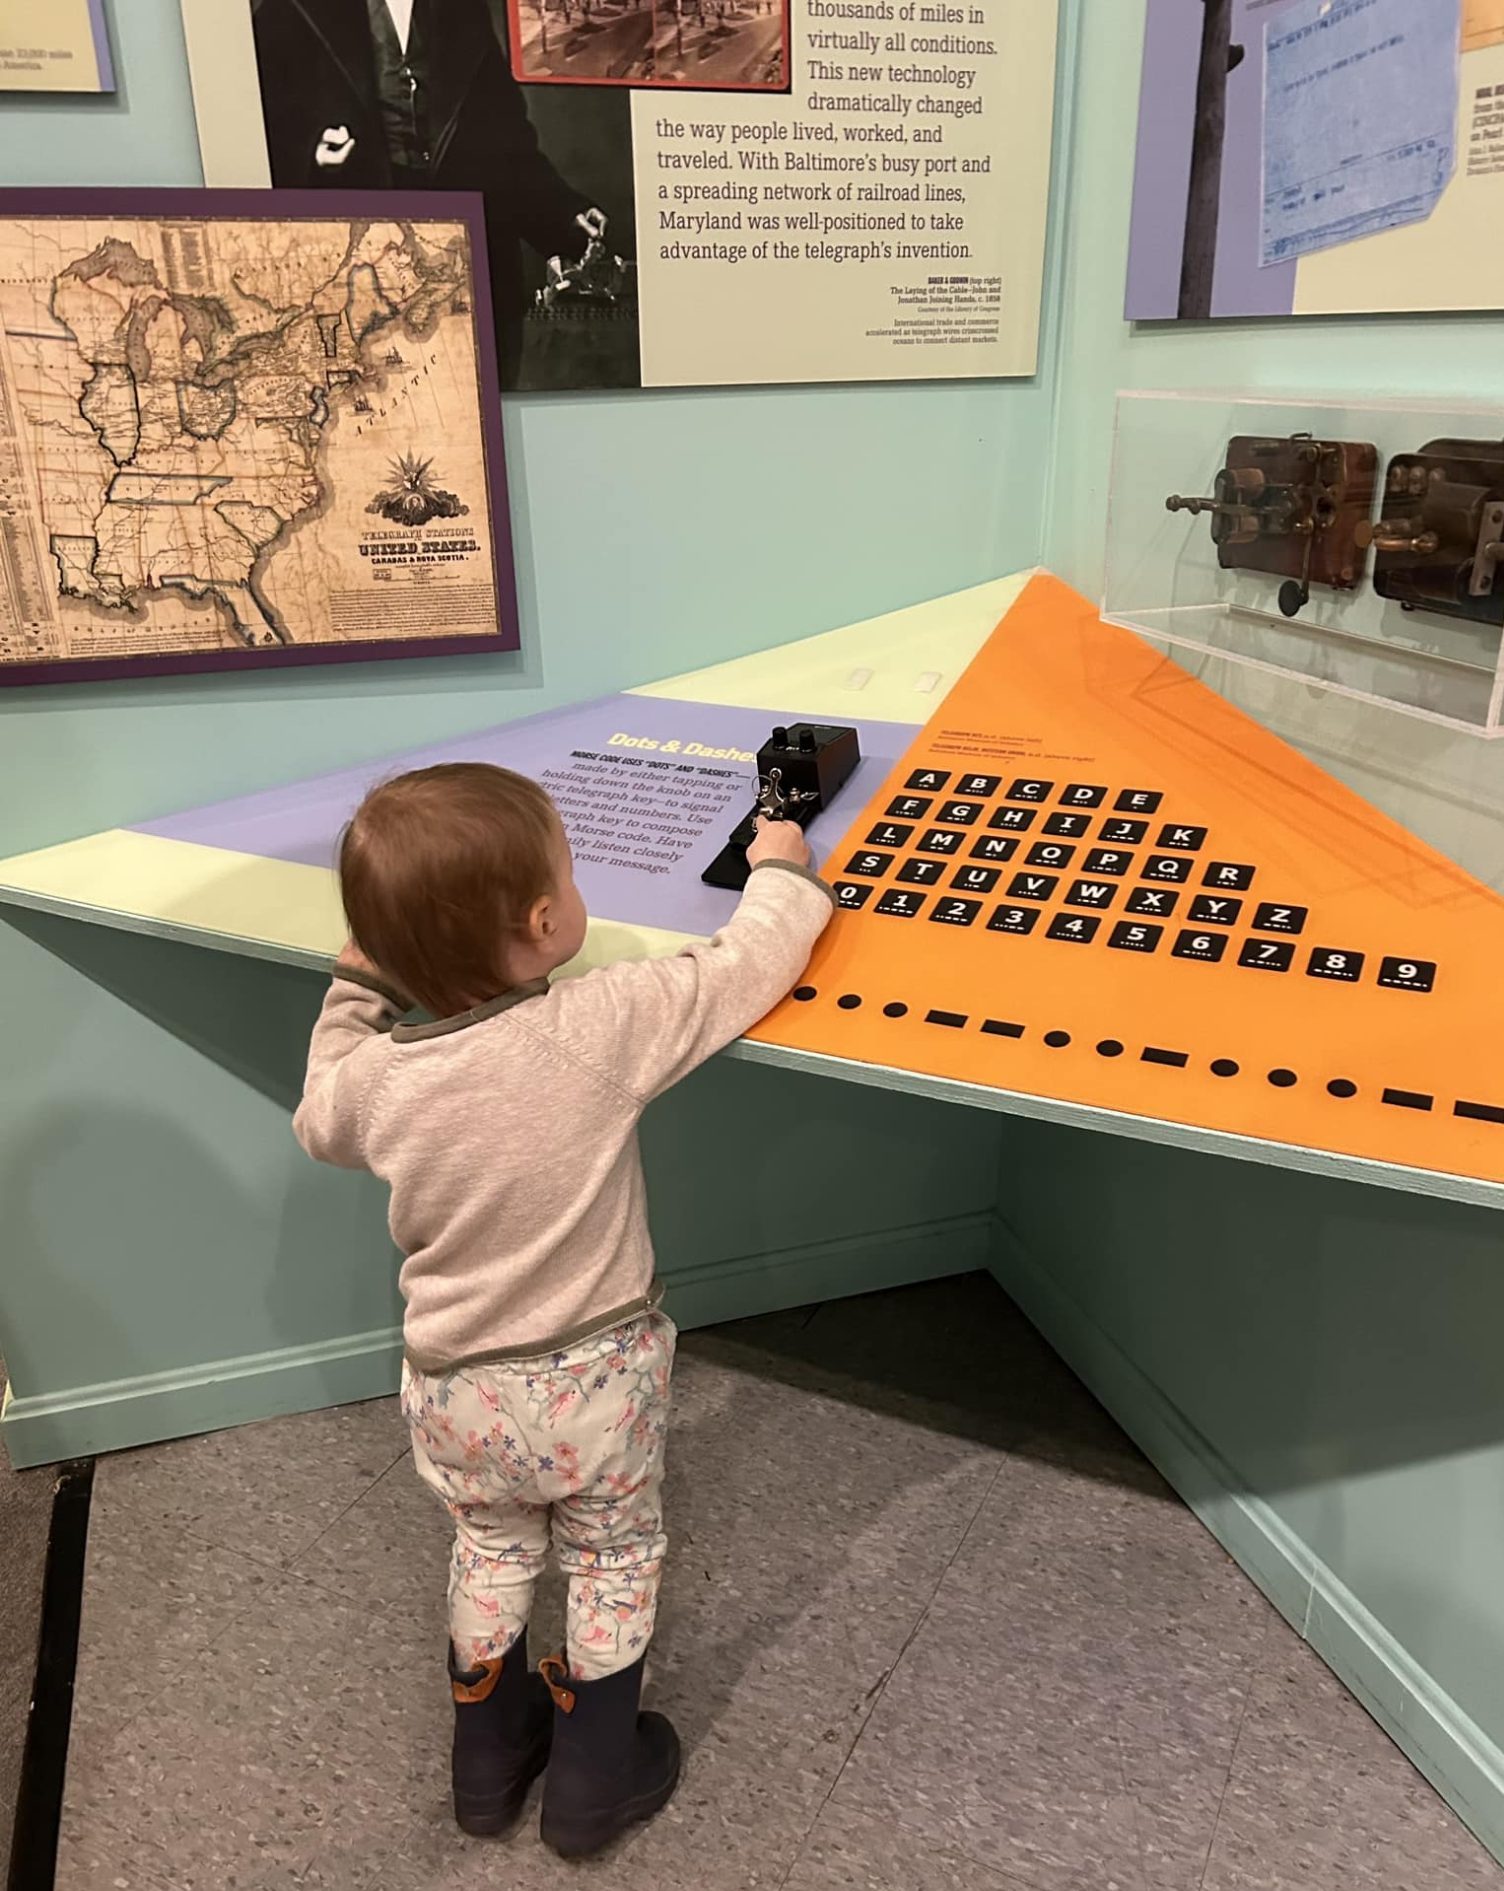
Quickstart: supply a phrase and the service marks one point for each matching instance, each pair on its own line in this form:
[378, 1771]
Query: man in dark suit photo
[418, 94]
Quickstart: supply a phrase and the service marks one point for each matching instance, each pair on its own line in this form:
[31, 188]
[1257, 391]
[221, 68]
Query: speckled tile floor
[932, 1625]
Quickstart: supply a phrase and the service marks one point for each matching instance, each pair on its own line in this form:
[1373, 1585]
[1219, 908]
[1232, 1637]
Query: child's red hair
[439, 870]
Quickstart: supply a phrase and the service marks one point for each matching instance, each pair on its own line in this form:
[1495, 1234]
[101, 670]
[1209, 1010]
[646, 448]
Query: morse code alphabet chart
[1092, 878]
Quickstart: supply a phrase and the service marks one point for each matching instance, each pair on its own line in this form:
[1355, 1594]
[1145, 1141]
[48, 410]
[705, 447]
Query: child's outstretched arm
[649, 1023]
[358, 1007]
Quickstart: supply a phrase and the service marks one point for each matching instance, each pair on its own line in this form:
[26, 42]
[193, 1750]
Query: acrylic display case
[1355, 544]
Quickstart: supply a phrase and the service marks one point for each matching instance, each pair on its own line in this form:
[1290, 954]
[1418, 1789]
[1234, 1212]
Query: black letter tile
[1408, 974]
[1072, 928]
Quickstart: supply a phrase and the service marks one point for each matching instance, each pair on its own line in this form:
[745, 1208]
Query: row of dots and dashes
[1281, 1078]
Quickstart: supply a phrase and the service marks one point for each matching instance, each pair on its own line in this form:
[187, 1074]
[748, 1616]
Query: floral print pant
[568, 1449]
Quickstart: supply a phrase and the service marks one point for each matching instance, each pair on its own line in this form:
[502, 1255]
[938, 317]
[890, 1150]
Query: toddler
[536, 1365]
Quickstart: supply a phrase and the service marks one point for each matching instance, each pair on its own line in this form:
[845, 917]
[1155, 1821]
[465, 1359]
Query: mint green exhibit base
[186, 1267]
[1314, 1366]
[178, 1264]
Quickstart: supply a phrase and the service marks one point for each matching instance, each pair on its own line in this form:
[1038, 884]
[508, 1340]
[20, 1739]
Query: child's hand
[778, 840]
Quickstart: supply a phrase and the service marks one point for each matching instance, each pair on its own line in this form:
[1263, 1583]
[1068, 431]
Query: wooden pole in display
[1198, 260]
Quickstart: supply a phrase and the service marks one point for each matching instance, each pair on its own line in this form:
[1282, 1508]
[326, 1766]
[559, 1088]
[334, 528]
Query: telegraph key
[1293, 509]
[800, 770]
[1439, 545]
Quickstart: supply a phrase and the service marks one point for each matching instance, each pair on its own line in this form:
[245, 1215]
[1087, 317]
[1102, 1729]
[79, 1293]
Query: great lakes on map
[248, 434]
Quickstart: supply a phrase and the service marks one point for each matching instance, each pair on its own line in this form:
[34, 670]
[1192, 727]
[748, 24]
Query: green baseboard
[1453, 1752]
[829, 1270]
[81, 1421]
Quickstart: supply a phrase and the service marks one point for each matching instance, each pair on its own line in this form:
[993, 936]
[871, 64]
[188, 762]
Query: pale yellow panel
[1452, 259]
[180, 889]
[226, 94]
[47, 46]
[179, 885]
[747, 277]
[893, 668]
[610, 941]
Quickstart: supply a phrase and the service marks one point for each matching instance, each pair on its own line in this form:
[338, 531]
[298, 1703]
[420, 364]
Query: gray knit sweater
[508, 1136]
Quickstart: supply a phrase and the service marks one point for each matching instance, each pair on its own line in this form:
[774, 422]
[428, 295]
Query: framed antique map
[246, 428]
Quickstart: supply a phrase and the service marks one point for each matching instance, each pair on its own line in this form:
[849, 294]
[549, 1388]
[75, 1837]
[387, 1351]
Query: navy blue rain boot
[503, 1722]
[612, 1767]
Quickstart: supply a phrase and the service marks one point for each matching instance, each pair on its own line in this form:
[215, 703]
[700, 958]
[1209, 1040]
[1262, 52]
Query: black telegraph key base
[800, 770]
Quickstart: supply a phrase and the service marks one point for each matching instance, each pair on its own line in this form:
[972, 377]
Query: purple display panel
[1162, 169]
[384, 206]
[645, 812]
[101, 34]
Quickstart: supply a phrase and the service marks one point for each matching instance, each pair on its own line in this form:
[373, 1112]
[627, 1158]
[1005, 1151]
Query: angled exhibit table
[1075, 884]
[1077, 888]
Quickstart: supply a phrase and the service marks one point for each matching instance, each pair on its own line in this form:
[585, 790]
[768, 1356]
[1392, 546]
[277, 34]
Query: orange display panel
[1091, 878]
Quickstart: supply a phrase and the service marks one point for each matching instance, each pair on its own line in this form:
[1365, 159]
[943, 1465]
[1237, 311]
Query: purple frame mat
[102, 57]
[309, 206]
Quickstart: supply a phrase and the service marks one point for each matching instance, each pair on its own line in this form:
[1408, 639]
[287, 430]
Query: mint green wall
[1315, 1364]
[1447, 788]
[173, 1263]
[155, 1216]
[1102, 353]
[655, 532]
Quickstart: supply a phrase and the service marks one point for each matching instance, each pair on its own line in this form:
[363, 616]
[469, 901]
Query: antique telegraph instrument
[800, 770]
[1439, 542]
[1294, 509]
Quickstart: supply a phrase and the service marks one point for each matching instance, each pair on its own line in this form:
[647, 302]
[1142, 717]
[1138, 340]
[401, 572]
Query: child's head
[458, 884]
